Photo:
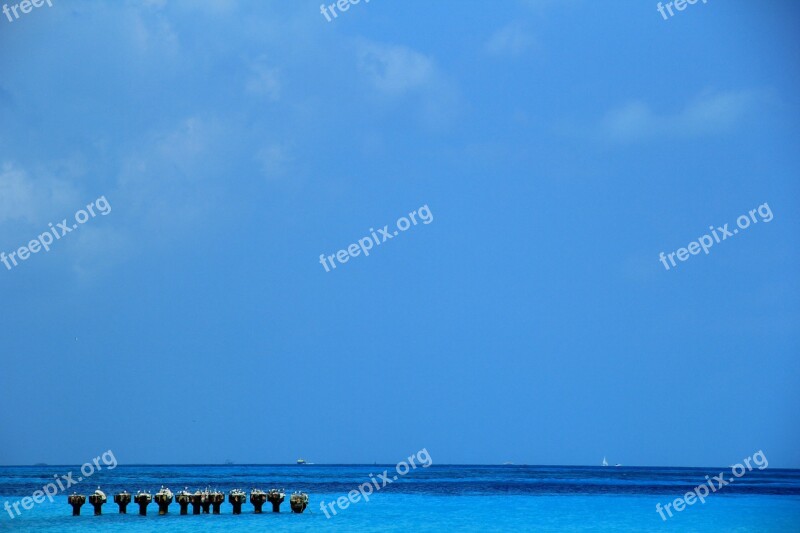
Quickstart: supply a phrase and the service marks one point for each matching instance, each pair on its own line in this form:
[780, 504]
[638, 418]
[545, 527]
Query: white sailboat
[605, 463]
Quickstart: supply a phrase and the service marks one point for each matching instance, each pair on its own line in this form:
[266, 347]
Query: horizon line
[384, 464]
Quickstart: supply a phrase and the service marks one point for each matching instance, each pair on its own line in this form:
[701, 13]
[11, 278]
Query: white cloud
[152, 4]
[275, 160]
[170, 179]
[97, 247]
[395, 69]
[188, 140]
[152, 32]
[708, 114]
[540, 5]
[264, 80]
[510, 40]
[211, 6]
[398, 72]
[35, 200]
[17, 197]
[48, 195]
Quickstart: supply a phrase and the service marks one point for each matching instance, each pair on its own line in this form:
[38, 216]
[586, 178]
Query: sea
[436, 498]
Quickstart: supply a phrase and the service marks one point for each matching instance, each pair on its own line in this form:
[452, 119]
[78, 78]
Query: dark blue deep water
[437, 498]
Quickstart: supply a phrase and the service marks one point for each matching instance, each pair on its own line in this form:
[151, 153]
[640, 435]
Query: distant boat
[301, 461]
[605, 463]
[617, 464]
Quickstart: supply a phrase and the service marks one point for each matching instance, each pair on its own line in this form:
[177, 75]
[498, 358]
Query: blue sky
[560, 146]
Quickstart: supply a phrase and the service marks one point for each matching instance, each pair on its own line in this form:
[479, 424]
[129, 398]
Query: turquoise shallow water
[438, 498]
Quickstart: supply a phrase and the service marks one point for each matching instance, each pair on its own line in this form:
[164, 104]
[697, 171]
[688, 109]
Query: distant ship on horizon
[302, 461]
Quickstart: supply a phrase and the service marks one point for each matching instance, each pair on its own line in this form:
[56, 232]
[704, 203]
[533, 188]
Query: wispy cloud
[171, 179]
[275, 160]
[17, 196]
[541, 4]
[29, 200]
[709, 113]
[31, 197]
[512, 39]
[395, 69]
[264, 80]
[152, 31]
[397, 72]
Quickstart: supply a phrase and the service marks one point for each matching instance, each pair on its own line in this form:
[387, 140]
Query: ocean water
[437, 498]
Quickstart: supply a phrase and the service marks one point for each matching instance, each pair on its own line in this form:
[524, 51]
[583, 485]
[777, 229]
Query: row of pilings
[202, 502]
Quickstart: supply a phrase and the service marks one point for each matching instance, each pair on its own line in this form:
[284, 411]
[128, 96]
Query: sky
[558, 146]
